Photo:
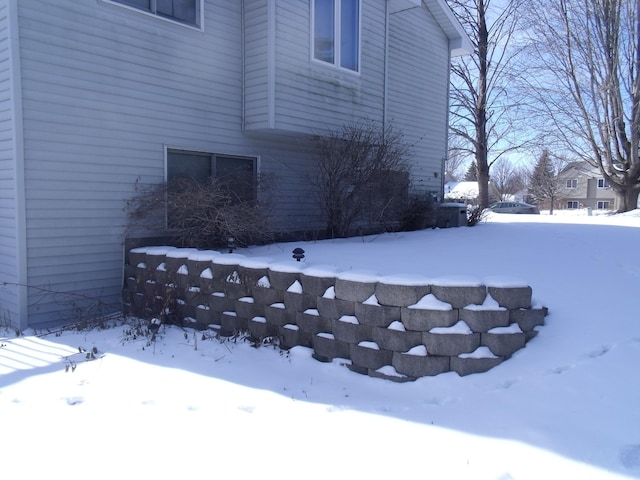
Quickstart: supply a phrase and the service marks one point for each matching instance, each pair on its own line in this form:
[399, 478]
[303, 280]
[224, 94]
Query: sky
[188, 405]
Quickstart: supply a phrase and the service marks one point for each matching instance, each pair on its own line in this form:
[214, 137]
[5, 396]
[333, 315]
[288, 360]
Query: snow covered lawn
[566, 406]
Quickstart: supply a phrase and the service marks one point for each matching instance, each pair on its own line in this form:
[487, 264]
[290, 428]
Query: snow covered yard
[566, 406]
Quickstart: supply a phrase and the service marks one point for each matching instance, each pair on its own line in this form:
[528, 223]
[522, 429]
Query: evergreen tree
[472, 173]
[545, 183]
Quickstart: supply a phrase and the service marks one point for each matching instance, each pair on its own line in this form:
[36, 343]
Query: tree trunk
[628, 198]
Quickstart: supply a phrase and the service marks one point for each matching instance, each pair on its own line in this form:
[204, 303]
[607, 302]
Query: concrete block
[355, 291]
[153, 259]
[369, 358]
[328, 348]
[251, 274]
[258, 328]
[419, 366]
[282, 280]
[503, 344]
[246, 308]
[267, 296]
[137, 255]
[528, 318]
[299, 302]
[450, 344]
[204, 316]
[376, 315]
[468, 366]
[316, 285]
[334, 308]
[219, 302]
[421, 320]
[312, 323]
[160, 276]
[235, 290]
[278, 315]
[461, 296]
[483, 320]
[350, 332]
[511, 297]
[400, 295]
[288, 336]
[395, 340]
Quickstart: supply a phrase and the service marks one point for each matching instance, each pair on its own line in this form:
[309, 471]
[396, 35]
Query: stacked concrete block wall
[399, 328]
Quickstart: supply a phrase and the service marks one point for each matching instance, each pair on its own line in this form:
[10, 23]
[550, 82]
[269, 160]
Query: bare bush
[362, 178]
[201, 214]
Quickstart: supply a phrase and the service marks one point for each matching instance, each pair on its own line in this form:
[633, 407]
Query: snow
[480, 352]
[184, 406]
[430, 302]
[460, 328]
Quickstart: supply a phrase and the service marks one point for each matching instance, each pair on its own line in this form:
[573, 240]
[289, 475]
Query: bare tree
[457, 158]
[586, 80]
[507, 179]
[481, 103]
[361, 176]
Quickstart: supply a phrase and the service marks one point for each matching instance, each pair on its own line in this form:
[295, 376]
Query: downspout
[242, 67]
[386, 67]
[22, 298]
[446, 137]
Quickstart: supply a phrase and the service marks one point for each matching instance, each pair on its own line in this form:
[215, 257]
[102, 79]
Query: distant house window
[603, 205]
[238, 173]
[573, 183]
[336, 32]
[603, 183]
[573, 204]
[183, 11]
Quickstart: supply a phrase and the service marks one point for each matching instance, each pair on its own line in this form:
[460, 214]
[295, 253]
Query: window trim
[605, 183]
[337, 36]
[572, 183]
[571, 203]
[199, 26]
[600, 205]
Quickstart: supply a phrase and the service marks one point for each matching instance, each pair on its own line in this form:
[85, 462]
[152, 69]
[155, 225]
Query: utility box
[452, 215]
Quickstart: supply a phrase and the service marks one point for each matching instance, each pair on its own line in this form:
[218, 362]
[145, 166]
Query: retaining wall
[391, 327]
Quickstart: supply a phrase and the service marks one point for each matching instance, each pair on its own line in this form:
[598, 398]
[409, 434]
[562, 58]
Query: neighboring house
[99, 96]
[582, 186]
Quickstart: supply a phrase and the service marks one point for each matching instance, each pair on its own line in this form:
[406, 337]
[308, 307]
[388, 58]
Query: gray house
[100, 95]
[583, 186]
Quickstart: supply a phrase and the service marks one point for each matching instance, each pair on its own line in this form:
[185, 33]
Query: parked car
[513, 207]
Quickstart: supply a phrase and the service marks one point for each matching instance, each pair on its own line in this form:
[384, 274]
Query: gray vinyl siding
[105, 90]
[417, 92]
[9, 292]
[303, 95]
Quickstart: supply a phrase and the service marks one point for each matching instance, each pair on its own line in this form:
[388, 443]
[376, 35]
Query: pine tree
[544, 183]
[472, 173]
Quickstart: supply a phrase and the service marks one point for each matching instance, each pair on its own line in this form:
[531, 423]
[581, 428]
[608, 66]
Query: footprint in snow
[600, 352]
[559, 370]
[74, 400]
[247, 408]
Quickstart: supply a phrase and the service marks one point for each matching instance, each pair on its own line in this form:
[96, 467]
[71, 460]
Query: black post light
[231, 244]
[298, 253]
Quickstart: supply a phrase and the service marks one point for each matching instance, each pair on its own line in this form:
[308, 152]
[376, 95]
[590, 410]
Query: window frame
[199, 16]
[603, 183]
[337, 37]
[571, 203]
[572, 183]
[602, 205]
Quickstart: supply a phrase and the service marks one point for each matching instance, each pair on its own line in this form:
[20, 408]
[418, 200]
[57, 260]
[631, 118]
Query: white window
[573, 183]
[573, 204]
[603, 183]
[603, 205]
[183, 11]
[336, 32]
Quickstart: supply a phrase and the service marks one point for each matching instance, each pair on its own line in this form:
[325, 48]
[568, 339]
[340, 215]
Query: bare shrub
[475, 215]
[420, 213]
[361, 177]
[201, 214]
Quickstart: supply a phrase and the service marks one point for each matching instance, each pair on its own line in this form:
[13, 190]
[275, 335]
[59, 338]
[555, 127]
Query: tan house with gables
[583, 186]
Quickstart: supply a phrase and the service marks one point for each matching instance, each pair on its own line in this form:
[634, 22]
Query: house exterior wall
[107, 89]
[287, 90]
[417, 100]
[12, 293]
[587, 194]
